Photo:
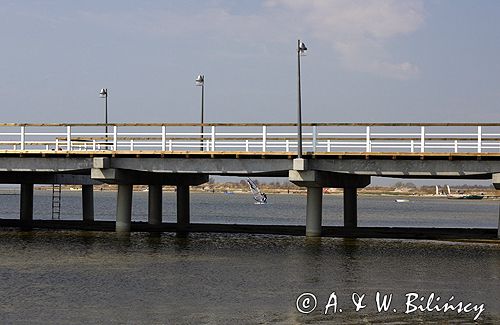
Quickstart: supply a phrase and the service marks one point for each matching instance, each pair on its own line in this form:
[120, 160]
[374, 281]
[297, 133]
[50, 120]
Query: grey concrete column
[124, 208]
[350, 207]
[88, 203]
[26, 213]
[182, 207]
[314, 211]
[498, 233]
[155, 204]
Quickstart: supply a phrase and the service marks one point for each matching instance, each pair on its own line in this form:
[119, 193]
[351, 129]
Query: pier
[336, 155]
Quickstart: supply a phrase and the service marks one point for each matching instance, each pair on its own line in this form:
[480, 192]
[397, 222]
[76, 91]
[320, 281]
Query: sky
[367, 61]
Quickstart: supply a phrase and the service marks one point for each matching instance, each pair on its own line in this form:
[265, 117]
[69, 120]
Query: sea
[83, 277]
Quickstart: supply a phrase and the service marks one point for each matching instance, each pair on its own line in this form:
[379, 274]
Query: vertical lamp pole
[301, 48]
[104, 94]
[200, 81]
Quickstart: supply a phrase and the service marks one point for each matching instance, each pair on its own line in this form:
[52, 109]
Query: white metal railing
[255, 137]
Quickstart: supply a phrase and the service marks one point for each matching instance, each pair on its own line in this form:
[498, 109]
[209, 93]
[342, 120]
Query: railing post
[170, 146]
[131, 144]
[57, 144]
[422, 139]
[315, 138]
[287, 145]
[213, 137]
[456, 146]
[328, 146]
[479, 139]
[68, 137]
[93, 145]
[264, 138]
[163, 138]
[247, 146]
[368, 140]
[23, 135]
[115, 137]
[412, 146]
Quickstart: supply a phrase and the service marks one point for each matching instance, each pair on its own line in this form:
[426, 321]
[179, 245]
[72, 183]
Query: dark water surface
[76, 277]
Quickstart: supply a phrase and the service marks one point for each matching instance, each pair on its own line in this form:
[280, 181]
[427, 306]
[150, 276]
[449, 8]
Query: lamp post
[200, 81]
[104, 94]
[301, 48]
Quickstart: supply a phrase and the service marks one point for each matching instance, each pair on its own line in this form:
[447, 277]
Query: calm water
[283, 209]
[61, 277]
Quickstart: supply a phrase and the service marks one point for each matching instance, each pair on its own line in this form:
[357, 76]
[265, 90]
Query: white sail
[258, 195]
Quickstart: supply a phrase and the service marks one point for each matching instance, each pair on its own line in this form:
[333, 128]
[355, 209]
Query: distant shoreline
[379, 192]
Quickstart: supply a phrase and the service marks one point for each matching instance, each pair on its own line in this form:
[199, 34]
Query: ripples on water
[61, 277]
[86, 277]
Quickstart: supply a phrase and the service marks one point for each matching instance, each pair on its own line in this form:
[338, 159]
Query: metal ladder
[56, 201]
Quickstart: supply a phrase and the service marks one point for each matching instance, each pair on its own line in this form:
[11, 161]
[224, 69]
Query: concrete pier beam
[155, 204]
[124, 208]
[88, 203]
[183, 214]
[314, 211]
[350, 207]
[26, 208]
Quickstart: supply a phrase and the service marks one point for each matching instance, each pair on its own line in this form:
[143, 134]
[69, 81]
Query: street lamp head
[104, 92]
[302, 48]
[200, 80]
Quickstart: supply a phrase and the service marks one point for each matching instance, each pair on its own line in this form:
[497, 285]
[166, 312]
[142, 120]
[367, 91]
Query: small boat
[461, 196]
[401, 200]
[473, 197]
[467, 197]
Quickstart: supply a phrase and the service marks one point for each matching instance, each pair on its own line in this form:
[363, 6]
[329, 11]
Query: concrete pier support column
[124, 208]
[182, 208]
[498, 233]
[88, 203]
[155, 204]
[350, 208]
[26, 213]
[314, 211]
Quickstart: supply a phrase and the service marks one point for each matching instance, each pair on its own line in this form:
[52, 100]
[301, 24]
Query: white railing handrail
[480, 138]
[346, 124]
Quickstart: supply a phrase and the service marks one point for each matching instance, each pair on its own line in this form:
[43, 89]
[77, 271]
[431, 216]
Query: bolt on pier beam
[124, 208]
[182, 208]
[26, 208]
[350, 208]
[314, 211]
[88, 203]
[155, 204]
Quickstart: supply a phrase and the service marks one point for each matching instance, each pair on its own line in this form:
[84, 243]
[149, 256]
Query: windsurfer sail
[259, 196]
